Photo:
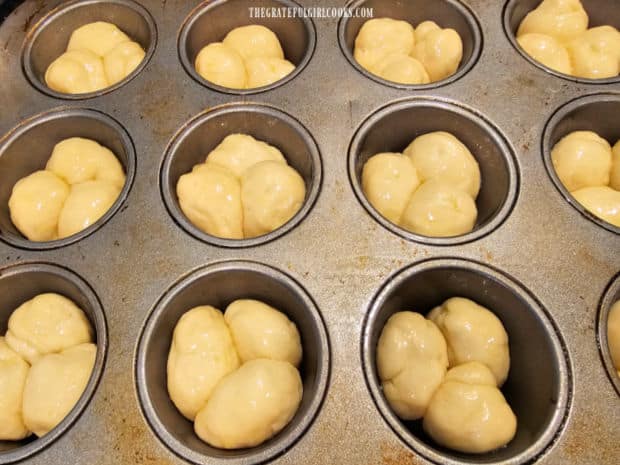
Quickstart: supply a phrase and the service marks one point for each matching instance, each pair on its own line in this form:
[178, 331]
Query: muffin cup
[610, 297]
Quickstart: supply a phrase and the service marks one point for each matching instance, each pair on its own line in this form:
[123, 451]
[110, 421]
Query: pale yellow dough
[546, 50]
[614, 178]
[439, 50]
[271, 194]
[263, 71]
[468, 413]
[261, 331]
[379, 37]
[442, 157]
[201, 354]
[47, 323]
[602, 201]
[122, 60]
[98, 37]
[76, 72]
[54, 385]
[412, 360]
[13, 372]
[254, 41]
[210, 197]
[582, 159]
[562, 19]
[595, 54]
[401, 68]
[613, 334]
[438, 209]
[250, 405]
[35, 204]
[221, 65]
[473, 333]
[389, 180]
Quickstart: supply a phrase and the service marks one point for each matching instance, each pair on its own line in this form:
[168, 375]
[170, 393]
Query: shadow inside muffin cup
[210, 22]
[20, 283]
[393, 127]
[610, 297]
[219, 285]
[600, 12]
[597, 113]
[191, 145]
[446, 13]
[539, 380]
[48, 39]
[28, 147]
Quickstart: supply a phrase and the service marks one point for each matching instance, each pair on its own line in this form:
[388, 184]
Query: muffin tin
[548, 269]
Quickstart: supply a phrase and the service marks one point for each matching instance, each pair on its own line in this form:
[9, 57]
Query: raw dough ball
[412, 360]
[613, 334]
[98, 37]
[271, 194]
[238, 152]
[54, 385]
[13, 372]
[388, 181]
[250, 405]
[614, 178]
[35, 204]
[78, 160]
[441, 156]
[582, 159]
[120, 62]
[261, 331]
[263, 71]
[201, 354]
[46, 324]
[76, 72]
[86, 203]
[401, 68]
[221, 65]
[601, 201]
[438, 209]
[473, 333]
[381, 36]
[210, 197]
[254, 41]
[468, 413]
[596, 53]
[562, 19]
[547, 51]
[439, 50]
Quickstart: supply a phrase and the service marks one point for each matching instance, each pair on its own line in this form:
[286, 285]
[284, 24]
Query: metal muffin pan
[553, 264]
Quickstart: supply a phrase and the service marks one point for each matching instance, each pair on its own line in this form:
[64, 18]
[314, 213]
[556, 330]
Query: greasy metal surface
[338, 253]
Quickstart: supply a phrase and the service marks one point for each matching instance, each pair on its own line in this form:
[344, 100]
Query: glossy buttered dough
[54, 385]
[547, 50]
[201, 354]
[261, 331]
[614, 177]
[45, 324]
[221, 65]
[613, 335]
[582, 159]
[412, 360]
[262, 71]
[99, 37]
[401, 68]
[602, 201]
[595, 54]
[468, 413]
[250, 405]
[254, 41]
[439, 50]
[473, 333]
[76, 72]
[562, 19]
[380, 37]
[13, 373]
[120, 62]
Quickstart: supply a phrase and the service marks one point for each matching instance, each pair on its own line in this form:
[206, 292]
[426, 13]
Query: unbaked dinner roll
[210, 197]
[379, 37]
[76, 72]
[254, 41]
[595, 54]
[13, 372]
[411, 360]
[582, 159]
[401, 68]
[263, 71]
[45, 324]
[250, 405]
[562, 19]
[120, 62]
[99, 38]
[389, 180]
[201, 354]
[221, 65]
[439, 50]
[468, 413]
[614, 178]
[613, 335]
[438, 209]
[54, 385]
[261, 331]
[547, 50]
[602, 201]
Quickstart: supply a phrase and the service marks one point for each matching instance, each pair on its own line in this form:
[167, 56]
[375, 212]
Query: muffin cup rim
[608, 298]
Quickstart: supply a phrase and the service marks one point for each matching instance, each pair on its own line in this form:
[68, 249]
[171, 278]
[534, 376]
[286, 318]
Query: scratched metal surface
[338, 253]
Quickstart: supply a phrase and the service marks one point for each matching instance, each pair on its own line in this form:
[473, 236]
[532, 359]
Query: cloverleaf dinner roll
[596, 53]
[412, 361]
[468, 413]
[98, 55]
[601, 201]
[613, 335]
[54, 385]
[13, 373]
[395, 51]
[80, 183]
[244, 189]
[546, 50]
[473, 333]
[562, 19]
[248, 57]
